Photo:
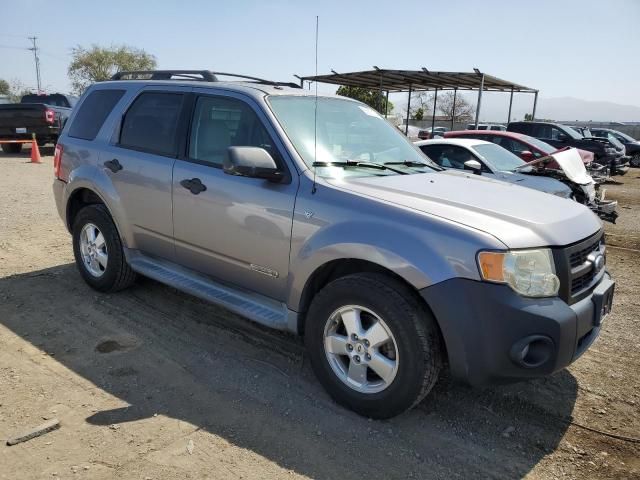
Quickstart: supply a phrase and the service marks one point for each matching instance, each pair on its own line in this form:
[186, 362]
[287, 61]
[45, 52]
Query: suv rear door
[139, 162]
[238, 230]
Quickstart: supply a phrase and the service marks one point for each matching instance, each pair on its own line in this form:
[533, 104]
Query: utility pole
[34, 49]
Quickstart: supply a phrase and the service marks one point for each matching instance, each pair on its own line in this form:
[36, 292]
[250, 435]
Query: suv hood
[518, 217]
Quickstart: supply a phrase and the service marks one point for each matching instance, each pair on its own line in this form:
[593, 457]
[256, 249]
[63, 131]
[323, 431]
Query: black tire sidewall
[11, 148]
[409, 324]
[99, 216]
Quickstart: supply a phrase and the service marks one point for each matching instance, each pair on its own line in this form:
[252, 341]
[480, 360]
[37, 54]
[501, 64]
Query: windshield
[572, 133]
[498, 157]
[624, 137]
[347, 131]
[539, 144]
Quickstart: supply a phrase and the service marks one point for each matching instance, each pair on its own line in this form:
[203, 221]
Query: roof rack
[197, 75]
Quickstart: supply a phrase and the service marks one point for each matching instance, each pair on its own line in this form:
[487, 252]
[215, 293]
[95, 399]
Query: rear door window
[150, 124]
[93, 112]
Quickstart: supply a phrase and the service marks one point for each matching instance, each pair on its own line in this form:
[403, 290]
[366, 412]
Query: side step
[258, 308]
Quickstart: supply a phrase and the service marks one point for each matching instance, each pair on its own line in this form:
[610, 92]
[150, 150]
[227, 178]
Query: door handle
[113, 165]
[194, 185]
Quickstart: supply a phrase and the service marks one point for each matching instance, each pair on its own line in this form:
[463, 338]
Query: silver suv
[315, 216]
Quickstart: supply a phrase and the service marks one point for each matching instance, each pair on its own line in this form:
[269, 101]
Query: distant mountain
[563, 108]
[569, 108]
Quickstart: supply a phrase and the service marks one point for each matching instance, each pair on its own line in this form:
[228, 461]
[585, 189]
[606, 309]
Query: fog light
[532, 351]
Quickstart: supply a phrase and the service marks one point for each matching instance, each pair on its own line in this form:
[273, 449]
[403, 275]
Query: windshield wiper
[377, 166]
[412, 163]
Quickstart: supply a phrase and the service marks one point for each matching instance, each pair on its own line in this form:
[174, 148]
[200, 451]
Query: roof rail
[198, 75]
[201, 75]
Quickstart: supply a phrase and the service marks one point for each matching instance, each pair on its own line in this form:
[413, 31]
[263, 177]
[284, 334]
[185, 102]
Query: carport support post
[433, 117]
[380, 96]
[510, 103]
[535, 104]
[453, 109]
[406, 127]
[479, 101]
[386, 106]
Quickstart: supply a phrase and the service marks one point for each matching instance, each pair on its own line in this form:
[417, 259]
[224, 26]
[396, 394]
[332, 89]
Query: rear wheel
[11, 148]
[372, 344]
[98, 250]
[635, 160]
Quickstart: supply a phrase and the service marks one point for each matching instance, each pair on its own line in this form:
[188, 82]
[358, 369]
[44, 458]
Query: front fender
[403, 251]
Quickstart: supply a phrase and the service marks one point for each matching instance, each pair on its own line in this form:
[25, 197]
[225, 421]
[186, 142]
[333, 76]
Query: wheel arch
[80, 198]
[338, 268]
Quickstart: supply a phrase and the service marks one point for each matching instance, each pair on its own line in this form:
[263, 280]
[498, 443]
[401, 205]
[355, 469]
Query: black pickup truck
[43, 115]
[560, 136]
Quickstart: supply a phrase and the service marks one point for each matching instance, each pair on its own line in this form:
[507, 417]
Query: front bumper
[494, 335]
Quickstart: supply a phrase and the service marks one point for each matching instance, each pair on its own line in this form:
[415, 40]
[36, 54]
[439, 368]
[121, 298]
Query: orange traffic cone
[35, 152]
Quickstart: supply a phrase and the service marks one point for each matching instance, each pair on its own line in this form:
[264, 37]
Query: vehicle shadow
[165, 353]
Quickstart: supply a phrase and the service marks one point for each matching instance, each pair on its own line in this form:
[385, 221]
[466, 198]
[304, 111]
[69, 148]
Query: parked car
[632, 146]
[412, 132]
[438, 132]
[526, 147]
[560, 136]
[315, 216]
[487, 126]
[43, 115]
[542, 158]
[494, 162]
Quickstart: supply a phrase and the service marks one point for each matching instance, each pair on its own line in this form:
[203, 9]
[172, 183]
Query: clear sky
[584, 49]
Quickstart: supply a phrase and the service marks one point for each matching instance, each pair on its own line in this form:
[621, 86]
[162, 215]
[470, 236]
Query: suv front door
[139, 162]
[238, 229]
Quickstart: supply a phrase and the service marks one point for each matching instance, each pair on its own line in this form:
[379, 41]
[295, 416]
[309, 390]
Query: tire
[635, 160]
[414, 347]
[12, 148]
[115, 274]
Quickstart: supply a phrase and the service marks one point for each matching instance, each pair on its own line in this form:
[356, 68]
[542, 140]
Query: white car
[486, 158]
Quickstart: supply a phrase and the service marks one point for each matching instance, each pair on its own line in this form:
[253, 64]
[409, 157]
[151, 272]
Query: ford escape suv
[315, 216]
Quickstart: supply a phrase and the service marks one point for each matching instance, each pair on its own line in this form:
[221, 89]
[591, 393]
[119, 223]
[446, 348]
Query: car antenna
[315, 119]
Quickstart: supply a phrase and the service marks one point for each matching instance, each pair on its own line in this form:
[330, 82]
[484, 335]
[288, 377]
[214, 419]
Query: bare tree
[464, 111]
[421, 105]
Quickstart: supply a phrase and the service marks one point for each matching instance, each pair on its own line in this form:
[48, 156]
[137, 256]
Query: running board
[258, 308]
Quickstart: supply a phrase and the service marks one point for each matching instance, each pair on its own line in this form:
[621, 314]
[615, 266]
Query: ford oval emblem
[598, 262]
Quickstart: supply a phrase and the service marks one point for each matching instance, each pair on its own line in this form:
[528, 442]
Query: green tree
[5, 88]
[418, 114]
[95, 64]
[528, 117]
[371, 97]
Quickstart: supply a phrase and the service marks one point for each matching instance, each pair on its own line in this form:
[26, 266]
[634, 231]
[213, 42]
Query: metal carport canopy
[421, 80]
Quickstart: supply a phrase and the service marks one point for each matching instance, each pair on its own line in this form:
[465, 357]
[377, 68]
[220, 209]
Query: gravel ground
[154, 384]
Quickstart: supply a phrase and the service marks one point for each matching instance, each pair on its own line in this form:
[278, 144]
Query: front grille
[577, 273]
[578, 258]
[582, 282]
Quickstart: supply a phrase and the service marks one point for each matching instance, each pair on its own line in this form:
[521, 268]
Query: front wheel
[373, 345]
[635, 160]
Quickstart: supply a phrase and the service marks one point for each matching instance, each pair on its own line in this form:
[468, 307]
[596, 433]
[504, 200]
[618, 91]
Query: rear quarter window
[93, 112]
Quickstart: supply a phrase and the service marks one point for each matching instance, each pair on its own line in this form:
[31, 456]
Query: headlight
[530, 273]
[609, 150]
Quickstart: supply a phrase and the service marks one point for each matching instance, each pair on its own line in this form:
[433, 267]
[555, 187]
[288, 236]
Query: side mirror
[473, 165]
[252, 162]
[527, 156]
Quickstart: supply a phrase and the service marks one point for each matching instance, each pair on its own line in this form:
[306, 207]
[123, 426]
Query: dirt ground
[154, 384]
